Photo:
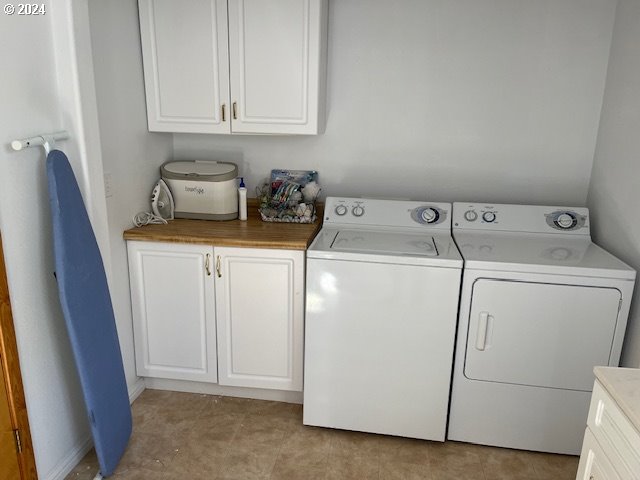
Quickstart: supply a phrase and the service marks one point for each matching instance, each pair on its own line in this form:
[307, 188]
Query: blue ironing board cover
[88, 313]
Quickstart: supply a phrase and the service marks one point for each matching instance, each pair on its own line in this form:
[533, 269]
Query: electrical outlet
[108, 181]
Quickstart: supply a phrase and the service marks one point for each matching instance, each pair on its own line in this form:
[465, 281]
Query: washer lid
[393, 246]
[384, 243]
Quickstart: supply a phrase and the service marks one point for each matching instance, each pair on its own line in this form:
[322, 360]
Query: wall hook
[47, 141]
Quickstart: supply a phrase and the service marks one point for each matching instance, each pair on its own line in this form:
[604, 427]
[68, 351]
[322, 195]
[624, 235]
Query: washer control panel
[357, 211]
[392, 213]
[520, 218]
[346, 208]
[429, 214]
[341, 210]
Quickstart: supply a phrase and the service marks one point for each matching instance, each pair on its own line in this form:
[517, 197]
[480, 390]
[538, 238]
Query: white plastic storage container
[203, 189]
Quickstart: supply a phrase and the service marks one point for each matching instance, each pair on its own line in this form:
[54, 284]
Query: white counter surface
[623, 384]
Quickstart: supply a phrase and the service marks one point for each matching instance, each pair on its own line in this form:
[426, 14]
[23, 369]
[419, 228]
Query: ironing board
[88, 313]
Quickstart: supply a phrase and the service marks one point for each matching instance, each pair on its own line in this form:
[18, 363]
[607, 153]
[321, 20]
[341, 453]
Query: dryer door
[539, 334]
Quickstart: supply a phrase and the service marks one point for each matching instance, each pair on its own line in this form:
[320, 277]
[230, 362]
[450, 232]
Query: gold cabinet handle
[224, 112]
[207, 264]
[218, 270]
[235, 110]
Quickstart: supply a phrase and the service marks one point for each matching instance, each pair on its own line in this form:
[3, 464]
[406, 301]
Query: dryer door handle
[481, 336]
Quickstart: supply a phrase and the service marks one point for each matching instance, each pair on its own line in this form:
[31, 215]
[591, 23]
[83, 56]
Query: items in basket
[303, 213]
[300, 177]
[289, 196]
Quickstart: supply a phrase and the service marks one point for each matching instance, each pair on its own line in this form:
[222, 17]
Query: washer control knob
[489, 217]
[357, 211]
[566, 220]
[430, 215]
[470, 215]
[341, 210]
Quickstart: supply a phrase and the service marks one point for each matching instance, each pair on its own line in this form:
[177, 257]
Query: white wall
[494, 100]
[615, 181]
[131, 155]
[47, 85]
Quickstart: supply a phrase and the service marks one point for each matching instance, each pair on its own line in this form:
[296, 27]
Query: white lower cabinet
[611, 447]
[173, 305]
[594, 463]
[259, 312]
[180, 292]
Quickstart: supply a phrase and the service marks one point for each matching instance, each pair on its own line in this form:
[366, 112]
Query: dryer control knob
[357, 211]
[566, 220]
[470, 215]
[489, 217]
[430, 215]
[341, 210]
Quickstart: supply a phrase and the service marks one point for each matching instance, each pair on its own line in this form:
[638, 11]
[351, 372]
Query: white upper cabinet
[236, 66]
[186, 65]
[277, 65]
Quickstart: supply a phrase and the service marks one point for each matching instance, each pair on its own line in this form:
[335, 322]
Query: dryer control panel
[521, 218]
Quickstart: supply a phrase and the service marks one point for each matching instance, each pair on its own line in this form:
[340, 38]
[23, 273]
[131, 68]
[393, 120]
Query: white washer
[541, 305]
[383, 280]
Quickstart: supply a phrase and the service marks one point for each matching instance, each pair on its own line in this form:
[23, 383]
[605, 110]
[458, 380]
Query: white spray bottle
[242, 200]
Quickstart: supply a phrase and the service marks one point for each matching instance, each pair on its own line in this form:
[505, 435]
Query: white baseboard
[215, 389]
[68, 463]
[136, 389]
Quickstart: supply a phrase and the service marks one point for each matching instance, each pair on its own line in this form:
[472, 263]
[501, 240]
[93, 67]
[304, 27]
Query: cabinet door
[594, 463]
[259, 311]
[173, 302]
[185, 58]
[277, 54]
[614, 433]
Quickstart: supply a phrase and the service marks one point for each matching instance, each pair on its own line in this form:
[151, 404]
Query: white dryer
[383, 280]
[541, 305]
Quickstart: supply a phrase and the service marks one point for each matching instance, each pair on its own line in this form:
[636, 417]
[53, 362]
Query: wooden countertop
[233, 233]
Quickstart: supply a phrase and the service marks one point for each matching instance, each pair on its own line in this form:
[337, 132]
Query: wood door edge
[13, 377]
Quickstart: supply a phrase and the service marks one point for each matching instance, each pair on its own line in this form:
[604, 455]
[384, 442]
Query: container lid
[202, 170]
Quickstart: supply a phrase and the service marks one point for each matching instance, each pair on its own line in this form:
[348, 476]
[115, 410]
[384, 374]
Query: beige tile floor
[191, 436]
